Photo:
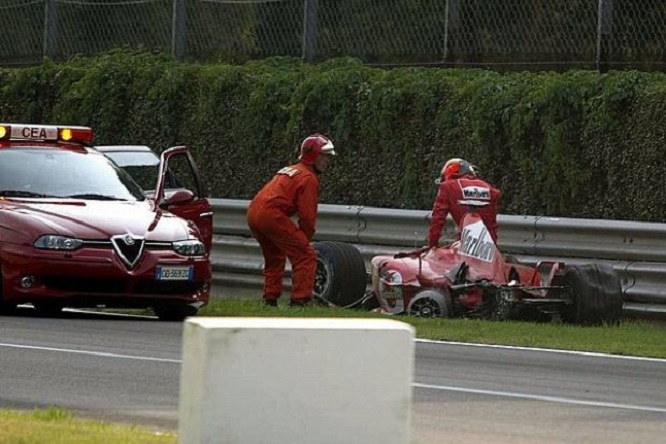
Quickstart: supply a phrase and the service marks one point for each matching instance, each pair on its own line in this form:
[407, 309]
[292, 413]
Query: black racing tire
[430, 304]
[340, 278]
[596, 291]
[174, 312]
[6, 308]
[48, 308]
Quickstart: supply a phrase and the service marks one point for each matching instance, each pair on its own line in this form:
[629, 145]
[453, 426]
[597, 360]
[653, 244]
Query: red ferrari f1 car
[469, 278]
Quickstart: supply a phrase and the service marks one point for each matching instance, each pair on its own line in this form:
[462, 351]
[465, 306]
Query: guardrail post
[179, 29]
[50, 28]
[604, 34]
[310, 30]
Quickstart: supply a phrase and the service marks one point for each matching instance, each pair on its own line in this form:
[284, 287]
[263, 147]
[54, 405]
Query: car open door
[181, 191]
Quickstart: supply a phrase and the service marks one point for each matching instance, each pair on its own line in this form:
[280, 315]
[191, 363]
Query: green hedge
[577, 144]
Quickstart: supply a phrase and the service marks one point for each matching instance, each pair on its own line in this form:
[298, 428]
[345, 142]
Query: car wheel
[47, 308]
[340, 278]
[596, 292]
[430, 304]
[174, 313]
[5, 307]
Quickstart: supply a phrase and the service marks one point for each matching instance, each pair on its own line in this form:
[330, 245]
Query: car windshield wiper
[21, 193]
[93, 196]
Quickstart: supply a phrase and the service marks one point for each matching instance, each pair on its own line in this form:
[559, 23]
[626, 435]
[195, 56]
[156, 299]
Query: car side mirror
[177, 197]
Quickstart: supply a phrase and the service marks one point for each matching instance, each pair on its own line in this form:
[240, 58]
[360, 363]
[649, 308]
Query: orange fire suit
[460, 195]
[294, 190]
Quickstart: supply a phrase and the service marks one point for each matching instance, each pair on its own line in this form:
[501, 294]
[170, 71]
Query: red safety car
[77, 231]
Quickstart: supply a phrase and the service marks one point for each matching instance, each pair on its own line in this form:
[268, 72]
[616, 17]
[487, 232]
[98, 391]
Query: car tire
[6, 308]
[174, 313]
[430, 304]
[340, 278]
[596, 291]
[47, 308]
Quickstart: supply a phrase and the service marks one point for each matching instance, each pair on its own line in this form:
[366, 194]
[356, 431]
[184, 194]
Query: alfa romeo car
[77, 231]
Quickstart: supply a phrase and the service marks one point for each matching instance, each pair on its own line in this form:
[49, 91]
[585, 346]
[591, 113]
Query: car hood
[93, 220]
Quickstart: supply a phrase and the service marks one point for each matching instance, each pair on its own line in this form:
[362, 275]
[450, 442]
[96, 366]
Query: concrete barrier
[296, 380]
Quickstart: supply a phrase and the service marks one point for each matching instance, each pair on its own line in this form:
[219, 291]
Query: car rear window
[128, 158]
[144, 167]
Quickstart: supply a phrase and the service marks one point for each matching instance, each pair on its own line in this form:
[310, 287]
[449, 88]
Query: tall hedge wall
[578, 144]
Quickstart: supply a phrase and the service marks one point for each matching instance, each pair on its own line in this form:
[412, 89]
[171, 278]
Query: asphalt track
[126, 369]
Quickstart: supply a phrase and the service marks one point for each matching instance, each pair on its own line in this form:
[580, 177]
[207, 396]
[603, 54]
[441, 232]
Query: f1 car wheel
[340, 278]
[430, 304]
[596, 292]
[173, 312]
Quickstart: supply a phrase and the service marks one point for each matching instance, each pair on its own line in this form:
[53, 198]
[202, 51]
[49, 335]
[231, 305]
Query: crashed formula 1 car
[469, 278]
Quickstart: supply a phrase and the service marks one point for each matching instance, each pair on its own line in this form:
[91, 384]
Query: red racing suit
[460, 195]
[294, 190]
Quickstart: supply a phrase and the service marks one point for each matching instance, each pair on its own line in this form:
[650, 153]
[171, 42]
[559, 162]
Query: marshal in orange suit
[293, 191]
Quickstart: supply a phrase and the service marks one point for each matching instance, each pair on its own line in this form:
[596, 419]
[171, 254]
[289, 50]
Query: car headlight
[54, 242]
[191, 247]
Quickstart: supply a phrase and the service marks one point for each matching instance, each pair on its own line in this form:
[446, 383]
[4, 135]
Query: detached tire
[174, 313]
[597, 295]
[340, 278]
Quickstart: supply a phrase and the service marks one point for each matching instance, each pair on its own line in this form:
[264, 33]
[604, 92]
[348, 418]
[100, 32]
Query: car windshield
[62, 173]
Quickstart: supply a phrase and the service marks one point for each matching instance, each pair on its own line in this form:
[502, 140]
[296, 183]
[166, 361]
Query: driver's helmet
[456, 167]
[314, 145]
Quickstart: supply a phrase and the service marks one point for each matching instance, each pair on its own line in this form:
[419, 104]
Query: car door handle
[206, 214]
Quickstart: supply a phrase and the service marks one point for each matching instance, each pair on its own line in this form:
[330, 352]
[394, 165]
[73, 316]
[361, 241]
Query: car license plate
[171, 273]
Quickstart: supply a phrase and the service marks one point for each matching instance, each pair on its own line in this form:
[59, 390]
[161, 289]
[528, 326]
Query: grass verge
[58, 426]
[630, 338]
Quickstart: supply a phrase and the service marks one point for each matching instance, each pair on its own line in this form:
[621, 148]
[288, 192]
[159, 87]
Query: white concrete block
[296, 380]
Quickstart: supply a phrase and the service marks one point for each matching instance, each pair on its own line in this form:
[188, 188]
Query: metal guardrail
[636, 250]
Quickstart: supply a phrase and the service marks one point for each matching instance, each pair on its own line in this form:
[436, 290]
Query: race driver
[461, 191]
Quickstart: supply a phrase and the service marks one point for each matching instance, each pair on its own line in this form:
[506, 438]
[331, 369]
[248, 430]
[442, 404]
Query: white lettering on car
[477, 243]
